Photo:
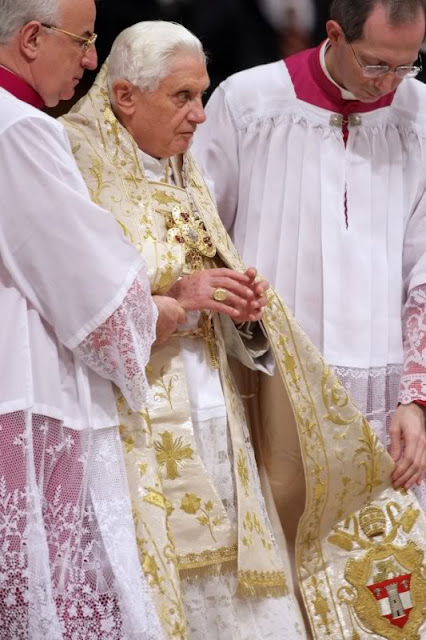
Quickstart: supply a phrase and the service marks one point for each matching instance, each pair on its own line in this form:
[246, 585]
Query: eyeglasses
[85, 43]
[379, 70]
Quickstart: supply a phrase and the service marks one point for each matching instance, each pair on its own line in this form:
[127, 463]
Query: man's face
[63, 59]
[381, 44]
[165, 119]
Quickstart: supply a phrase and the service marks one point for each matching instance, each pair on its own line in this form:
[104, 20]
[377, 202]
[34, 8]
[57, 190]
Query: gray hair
[14, 14]
[144, 53]
[352, 14]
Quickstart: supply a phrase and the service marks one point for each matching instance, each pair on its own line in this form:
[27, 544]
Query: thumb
[181, 316]
[395, 448]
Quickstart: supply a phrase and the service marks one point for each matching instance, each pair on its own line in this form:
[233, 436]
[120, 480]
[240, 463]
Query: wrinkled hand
[170, 314]
[245, 297]
[408, 445]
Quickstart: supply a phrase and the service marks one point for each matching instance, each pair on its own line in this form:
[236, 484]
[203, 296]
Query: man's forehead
[83, 11]
[378, 26]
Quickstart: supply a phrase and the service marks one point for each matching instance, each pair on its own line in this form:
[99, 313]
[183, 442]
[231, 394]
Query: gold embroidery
[158, 499]
[243, 471]
[266, 583]
[163, 198]
[253, 524]
[160, 382]
[172, 453]
[387, 590]
[191, 504]
[208, 557]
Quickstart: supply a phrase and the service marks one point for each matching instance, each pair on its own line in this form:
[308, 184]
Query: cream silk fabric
[354, 526]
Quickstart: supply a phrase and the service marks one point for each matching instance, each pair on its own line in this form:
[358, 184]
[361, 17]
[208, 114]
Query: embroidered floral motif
[243, 471]
[191, 504]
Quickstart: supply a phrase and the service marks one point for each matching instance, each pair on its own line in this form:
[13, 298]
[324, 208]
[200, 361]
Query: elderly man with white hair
[216, 567]
[205, 539]
[75, 314]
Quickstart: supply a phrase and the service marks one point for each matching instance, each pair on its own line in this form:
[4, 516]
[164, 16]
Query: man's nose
[197, 113]
[388, 83]
[90, 58]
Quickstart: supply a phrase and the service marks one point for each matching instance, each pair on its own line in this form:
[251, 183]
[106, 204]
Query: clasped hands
[244, 298]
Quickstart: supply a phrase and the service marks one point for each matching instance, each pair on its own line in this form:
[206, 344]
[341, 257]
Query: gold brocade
[347, 472]
[195, 520]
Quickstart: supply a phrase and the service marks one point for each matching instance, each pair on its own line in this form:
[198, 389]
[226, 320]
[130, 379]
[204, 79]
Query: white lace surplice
[69, 566]
[69, 282]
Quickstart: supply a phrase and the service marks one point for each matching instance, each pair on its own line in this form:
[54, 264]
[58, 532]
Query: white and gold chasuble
[360, 545]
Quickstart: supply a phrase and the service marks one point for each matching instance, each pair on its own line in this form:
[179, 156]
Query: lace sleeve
[413, 381]
[120, 348]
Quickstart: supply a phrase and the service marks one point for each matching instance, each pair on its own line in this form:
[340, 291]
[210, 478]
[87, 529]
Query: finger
[408, 469]
[261, 287]
[232, 286]
[258, 303]
[220, 307]
[229, 273]
[251, 272]
[421, 476]
[181, 318]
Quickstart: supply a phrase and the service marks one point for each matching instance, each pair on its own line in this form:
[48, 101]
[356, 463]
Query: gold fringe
[267, 584]
[207, 558]
[209, 571]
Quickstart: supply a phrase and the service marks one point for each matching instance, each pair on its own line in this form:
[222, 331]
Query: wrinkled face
[165, 119]
[62, 59]
[382, 44]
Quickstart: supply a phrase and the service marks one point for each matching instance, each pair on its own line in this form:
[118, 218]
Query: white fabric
[282, 176]
[280, 172]
[346, 95]
[213, 609]
[69, 566]
[205, 393]
[64, 269]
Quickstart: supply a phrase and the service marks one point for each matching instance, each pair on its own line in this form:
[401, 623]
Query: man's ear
[30, 38]
[124, 96]
[334, 31]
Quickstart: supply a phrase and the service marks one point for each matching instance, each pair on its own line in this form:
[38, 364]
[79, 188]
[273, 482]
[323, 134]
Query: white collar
[346, 95]
[154, 168]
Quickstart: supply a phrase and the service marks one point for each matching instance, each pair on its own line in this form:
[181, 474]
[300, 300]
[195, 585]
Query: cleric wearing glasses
[318, 165]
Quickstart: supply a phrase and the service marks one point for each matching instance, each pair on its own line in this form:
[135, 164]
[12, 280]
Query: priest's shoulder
[258, 90]
[410, 101]
[14, 111]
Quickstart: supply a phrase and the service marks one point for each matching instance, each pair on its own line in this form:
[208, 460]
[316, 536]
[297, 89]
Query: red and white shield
[393, 597]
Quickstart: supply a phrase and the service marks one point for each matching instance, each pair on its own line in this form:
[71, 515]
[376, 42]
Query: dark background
[234, 33]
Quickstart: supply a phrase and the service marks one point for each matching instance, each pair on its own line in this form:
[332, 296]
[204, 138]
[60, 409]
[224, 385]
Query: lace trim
[120, 348]
[413, 381]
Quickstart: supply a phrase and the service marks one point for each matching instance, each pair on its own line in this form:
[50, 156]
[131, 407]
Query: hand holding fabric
[408, 445]
[170, 314]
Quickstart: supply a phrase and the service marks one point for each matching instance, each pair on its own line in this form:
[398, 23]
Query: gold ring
[220, 294]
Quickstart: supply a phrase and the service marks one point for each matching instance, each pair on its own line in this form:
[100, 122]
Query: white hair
[14, 14]
[144, 53]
